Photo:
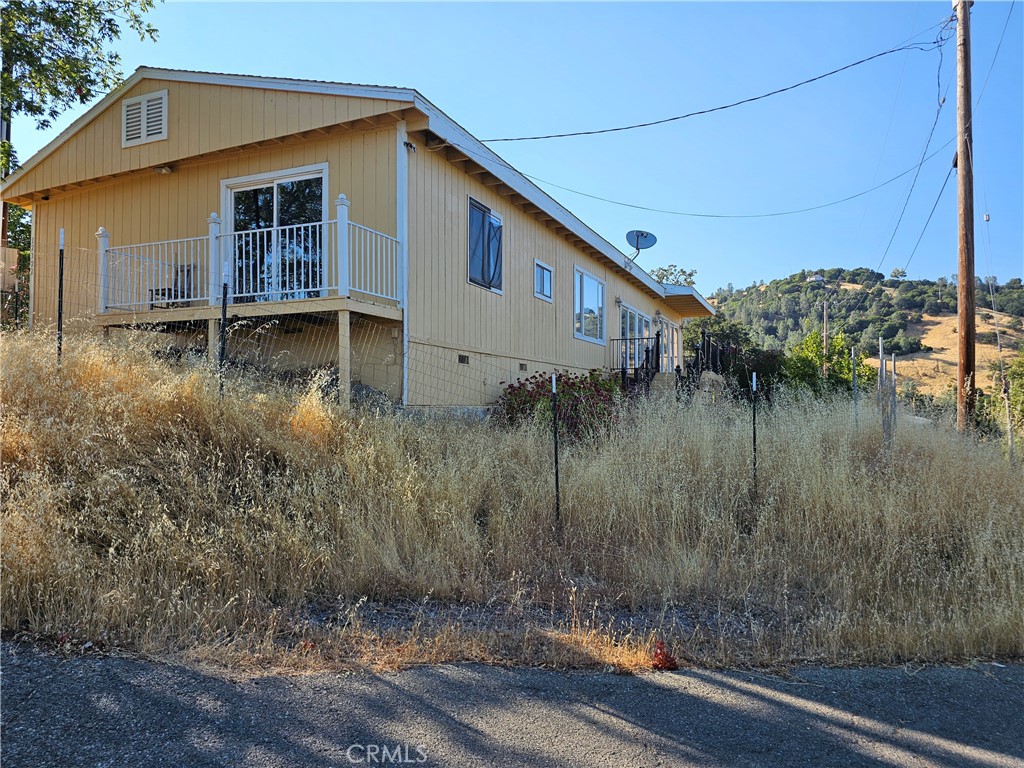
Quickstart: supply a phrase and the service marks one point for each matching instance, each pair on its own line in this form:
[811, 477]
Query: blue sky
[519, 69]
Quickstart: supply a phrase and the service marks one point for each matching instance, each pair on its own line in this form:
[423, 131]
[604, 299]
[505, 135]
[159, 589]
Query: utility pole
[824, 340]
[966, 385]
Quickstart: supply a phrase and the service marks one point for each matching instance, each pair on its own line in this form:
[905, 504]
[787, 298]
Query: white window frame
[640, 318]
[669, 344]
[241, 183]
[470, 200]
[578, 272]
[144, 138]
[551, 273]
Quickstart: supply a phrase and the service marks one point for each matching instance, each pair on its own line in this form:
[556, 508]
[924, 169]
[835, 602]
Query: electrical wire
[996, 54]
[929, 219]
[940, 99]
[691, 214]
[977, 101]
[937, 43]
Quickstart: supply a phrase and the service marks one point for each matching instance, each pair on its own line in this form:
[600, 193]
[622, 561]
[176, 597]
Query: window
[276, 234]
[541, 280]
[144, 119]
[484, 247]
[589, 315]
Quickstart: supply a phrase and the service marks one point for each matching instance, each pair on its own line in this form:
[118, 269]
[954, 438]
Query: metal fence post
[60, 299]
[223, 334]
[554, 426]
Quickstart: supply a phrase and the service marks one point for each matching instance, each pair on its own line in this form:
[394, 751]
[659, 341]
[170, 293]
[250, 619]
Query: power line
[693, 214]
[929, 219]
[991, 66]
[937, 43]
[940, 99]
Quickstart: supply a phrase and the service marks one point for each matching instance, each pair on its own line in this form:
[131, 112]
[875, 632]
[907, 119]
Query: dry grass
[140, 509]
[935, 372]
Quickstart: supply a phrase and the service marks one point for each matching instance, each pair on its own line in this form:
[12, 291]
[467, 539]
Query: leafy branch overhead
[673, 275]
[55, 53]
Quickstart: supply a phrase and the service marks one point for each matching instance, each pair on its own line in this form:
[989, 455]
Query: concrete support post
[344, 358]
[212, 339]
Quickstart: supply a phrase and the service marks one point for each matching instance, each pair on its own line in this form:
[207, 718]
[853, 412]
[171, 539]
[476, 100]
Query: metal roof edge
[490, 160]
[188, 76]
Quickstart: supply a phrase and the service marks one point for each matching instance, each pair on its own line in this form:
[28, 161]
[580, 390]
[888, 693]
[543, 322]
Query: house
[347, 225]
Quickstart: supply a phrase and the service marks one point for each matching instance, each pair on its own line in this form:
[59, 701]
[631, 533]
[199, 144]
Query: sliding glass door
[278, 239]
[635, 330]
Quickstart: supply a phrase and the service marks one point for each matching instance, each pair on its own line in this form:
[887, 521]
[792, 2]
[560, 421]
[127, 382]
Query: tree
[803, 365]
[54, 56]
[673, 275]
[898, 274]
[1015, 380]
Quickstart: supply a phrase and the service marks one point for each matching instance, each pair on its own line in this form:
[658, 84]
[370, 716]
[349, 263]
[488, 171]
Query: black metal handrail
[712, 356]
[625, 358]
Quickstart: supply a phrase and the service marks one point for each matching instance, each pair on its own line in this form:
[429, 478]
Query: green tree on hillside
[803, 365]
[1015, 378]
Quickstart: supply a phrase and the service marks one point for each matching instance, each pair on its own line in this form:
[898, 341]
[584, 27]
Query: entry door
[278, 240]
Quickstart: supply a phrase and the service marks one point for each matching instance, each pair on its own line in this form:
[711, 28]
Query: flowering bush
[588, 403]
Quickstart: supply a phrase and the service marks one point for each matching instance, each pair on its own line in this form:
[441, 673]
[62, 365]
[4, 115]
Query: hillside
[915, 318]
[934, 372]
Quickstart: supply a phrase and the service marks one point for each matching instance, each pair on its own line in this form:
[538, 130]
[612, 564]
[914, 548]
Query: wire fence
[375, 361]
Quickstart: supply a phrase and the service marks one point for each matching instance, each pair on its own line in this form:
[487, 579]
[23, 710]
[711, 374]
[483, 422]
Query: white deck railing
[279, 263]
[303, 261]
[373, 262]
[156, 275]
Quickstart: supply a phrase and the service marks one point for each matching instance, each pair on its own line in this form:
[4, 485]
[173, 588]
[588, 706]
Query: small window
[144, 119]
[541, 280]
[484, 247]
[589, 306]
[522, 366]
[464, 359]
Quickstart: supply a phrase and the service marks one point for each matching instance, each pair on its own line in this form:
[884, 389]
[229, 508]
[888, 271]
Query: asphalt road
[93, 711]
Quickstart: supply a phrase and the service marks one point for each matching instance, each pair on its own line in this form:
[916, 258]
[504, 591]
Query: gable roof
[439, 124]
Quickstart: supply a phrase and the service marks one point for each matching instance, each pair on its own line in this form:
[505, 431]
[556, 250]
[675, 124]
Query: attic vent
[144, 119]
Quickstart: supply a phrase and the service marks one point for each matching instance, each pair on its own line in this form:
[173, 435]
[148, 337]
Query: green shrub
[587, 402]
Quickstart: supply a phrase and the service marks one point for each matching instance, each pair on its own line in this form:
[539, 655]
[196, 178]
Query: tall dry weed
[140, 506]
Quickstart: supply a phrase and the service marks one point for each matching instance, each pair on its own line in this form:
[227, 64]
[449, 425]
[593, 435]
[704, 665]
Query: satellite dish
[640, 240]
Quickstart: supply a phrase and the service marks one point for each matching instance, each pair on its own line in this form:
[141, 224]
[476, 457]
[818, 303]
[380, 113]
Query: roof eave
[186, 76]
[688, 301]
[460, 139]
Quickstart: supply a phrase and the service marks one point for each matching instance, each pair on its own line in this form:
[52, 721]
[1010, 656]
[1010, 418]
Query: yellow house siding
[150, 207]
[447, 315]
[202, 118]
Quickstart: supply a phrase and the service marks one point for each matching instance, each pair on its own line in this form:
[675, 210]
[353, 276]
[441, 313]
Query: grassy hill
[915, 318]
